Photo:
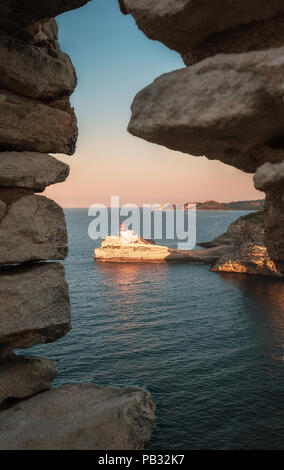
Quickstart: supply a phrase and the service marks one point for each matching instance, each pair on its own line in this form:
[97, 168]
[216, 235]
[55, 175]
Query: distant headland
[219, 206]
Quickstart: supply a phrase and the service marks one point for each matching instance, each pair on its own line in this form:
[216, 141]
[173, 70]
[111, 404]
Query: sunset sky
[114, 60]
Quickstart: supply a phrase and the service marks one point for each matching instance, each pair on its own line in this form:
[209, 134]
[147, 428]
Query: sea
[208, 346]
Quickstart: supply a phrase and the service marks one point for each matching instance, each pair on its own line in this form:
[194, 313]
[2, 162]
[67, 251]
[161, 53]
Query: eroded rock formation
[226, 107]
[36, 80]
[81, 417]
[31, 170]
[188, 25]
[245, 251]
[270, 178]
[34, 305]
[227, 104]
[25, 376]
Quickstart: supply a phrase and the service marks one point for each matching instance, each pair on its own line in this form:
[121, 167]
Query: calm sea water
[208, 346]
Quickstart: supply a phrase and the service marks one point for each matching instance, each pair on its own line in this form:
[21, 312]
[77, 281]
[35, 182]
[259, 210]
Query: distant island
[220, 206]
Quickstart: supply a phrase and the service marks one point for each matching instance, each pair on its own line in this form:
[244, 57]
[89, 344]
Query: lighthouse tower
[127, 236]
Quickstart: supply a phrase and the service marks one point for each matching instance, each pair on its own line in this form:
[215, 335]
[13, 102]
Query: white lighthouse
[127, 236]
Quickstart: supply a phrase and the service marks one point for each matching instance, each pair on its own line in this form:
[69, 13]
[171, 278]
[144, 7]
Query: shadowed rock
[2, 209]
[27, 124]
[269, 176]
[32, 229]
[31, 170]
[41, 33]
[228, 108]
[32, 72]
[122, 7]
[34, 305]
[23, 376]
[9, 195]
[274, 225]
[16, 14]
[267, 34]
[184, 25]
[81, 417]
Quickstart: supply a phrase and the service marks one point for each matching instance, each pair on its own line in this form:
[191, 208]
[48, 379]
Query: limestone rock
[30, 71]
[34, 305]
[269, 176]
[184, 25]
[267, 34]
[245, 252]
[27, 124]
[245, 230]
[274, 225]
[228, 108]
[2, 209]
[23, 376]
[248, 229]
[31, 170]
[16, 14]
[9, 195]
[81, 417]
[41, 32]
[247, 259]
[113, 251]
[32, 229]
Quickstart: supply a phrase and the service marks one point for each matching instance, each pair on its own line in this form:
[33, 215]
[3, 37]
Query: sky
[114, 60]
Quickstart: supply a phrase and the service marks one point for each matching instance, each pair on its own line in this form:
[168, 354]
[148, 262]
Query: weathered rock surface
[270, 178]
[81, 417]
[2, 209]
[246, 229]
[42, 33]
[274, 226]
[27, 124]
[184, 25]
[9, 195]
[246, 252]
[228, 108]
[32, 229]
[267, 34]
[23, 376]
[34, 305]
[16, 14]
[30, 71]
[31, 170]
[247, 259]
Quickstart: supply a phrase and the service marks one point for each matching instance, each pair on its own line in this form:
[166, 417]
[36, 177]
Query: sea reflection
[266, 295]
[264, 290]
[127, 283]
[125, 277]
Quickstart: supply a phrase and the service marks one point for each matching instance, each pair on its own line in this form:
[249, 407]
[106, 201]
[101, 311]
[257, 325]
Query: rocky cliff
[246, 252]
[36, 81]
[227, 103]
